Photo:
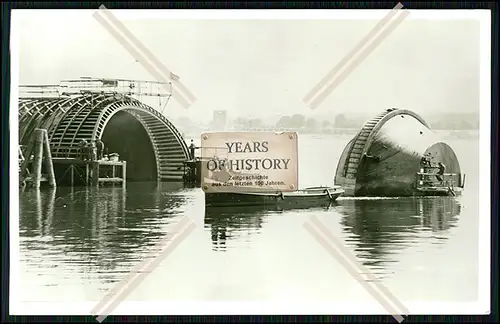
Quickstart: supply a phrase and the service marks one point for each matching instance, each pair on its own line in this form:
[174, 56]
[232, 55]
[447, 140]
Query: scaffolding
[32, 91]
[67, 88]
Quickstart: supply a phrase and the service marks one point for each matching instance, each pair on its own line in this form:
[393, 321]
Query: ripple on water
[93, 240]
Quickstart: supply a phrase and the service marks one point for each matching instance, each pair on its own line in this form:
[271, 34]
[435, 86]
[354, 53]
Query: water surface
[77, 243]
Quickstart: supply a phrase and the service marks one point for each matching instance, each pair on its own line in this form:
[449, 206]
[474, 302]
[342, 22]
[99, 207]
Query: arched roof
[69, 119]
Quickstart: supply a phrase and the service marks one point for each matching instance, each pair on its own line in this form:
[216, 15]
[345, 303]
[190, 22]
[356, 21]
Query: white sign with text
[249, 161]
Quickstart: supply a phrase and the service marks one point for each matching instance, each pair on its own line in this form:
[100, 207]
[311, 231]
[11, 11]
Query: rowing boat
[304, 198]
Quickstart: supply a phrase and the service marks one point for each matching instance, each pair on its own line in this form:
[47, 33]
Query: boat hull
[383, 159]
[307, 198]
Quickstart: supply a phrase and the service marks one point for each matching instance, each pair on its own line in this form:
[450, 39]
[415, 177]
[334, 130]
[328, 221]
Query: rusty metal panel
[249, 161]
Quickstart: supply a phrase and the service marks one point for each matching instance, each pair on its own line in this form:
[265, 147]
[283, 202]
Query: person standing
[82, 149]
[426, 160]
[93, 150]
[100, 149]
[441, 170]
[191, 149]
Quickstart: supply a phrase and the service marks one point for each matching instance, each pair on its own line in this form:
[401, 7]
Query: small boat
[304, 198]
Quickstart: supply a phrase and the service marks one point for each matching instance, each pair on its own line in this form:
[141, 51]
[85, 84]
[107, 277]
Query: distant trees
[294, 121]
[312, 125]
[340, 123]
[246, 123]
[284, 122]
[455, 122]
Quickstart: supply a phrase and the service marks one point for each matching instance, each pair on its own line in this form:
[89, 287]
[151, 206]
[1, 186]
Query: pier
[91, 173]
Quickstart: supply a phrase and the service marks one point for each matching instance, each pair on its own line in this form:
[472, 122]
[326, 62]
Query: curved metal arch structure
[72, 119]
[399, 143]
[359, 145]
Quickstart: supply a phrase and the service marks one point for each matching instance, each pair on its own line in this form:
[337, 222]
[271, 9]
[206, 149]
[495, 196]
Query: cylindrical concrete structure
[383, 159]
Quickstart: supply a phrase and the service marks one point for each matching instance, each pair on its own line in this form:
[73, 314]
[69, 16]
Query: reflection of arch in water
[380, 227]
[96, 231]
[230, 223]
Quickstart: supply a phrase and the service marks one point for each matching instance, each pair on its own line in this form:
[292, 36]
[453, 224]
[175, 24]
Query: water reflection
[230, 223]
[379, 228]
[100, 231]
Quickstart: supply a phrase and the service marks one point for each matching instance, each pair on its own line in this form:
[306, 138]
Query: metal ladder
[358, 146]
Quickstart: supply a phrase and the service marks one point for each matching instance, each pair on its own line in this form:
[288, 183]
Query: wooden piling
[27, 159]
[49, 167]
[72, 174]
[37, 161]
[95, 173]
[124, 172]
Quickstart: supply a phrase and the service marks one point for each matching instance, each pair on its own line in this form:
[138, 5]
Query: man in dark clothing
[440, 173]
[426, 160]
[371, 157]
[82, 149]
[100, 149]
[92, 150]
[191, 149]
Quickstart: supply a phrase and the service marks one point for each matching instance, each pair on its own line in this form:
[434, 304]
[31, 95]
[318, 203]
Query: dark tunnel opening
[125, 135]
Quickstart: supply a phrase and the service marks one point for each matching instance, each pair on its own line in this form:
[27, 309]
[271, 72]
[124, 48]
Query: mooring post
[27, 159]
[37, 161]
[124, 172]
[95, 173]
[48, 160]
[72, 174]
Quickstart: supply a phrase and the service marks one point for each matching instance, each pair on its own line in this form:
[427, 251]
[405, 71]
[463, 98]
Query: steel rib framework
[71, 119]
[350, 160]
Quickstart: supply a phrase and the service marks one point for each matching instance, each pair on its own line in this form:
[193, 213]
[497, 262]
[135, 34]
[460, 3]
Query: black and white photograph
[216, 162]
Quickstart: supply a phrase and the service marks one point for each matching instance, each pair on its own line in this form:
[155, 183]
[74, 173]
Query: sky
[261, 68]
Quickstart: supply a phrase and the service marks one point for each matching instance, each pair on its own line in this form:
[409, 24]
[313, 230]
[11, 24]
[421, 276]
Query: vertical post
[184, 177]
[27, 159]
[95, 173]
[124, 172]
[48, 160]
[114, 171]
[37, 162]
[87, 173]
[72, 174]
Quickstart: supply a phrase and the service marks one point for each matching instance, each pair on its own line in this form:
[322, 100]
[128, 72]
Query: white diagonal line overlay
[313, 98]
[138, 273]
[147, 59]
[355, 268]
[355, 57]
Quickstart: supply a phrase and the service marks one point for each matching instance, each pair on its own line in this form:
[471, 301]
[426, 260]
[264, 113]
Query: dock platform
[74, 172]
[91, 173]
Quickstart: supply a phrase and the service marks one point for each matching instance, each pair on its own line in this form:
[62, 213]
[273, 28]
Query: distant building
[219, 120]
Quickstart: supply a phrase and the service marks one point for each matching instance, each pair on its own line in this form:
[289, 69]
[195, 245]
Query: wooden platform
[95, 172]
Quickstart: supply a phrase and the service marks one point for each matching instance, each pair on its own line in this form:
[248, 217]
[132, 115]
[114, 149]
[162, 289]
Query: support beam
[49, 167]
[37, 160]
[124, 172]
